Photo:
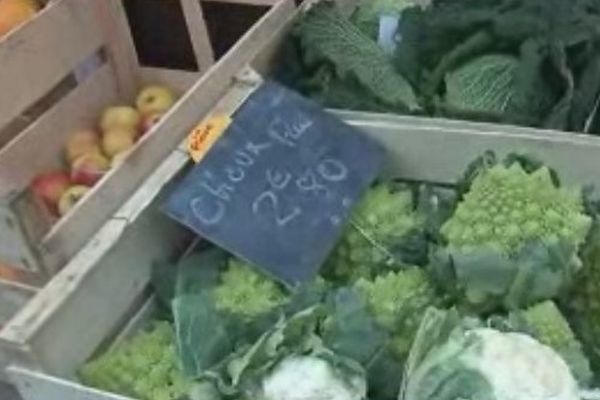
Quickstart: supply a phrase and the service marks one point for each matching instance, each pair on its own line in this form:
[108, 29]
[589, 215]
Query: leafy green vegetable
[381, 221]
[245, 292]
[204, 335]
[546, 323]
[536, 61]
[326, 35]
[468, 362]
[350, 328]
[144, 367]
[398, 301]
[484, 85]
[512, 240]
[585, 299]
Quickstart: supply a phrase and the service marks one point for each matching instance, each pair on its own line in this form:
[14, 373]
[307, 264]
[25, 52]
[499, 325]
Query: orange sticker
[205, 135]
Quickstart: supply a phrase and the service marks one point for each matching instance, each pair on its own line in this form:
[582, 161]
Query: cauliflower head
[309, 377]
[484, 363]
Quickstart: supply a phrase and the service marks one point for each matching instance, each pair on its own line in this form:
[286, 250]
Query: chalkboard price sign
[278, 186]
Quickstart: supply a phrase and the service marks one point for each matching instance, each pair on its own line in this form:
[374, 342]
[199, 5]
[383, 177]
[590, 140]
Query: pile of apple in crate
[91, 153]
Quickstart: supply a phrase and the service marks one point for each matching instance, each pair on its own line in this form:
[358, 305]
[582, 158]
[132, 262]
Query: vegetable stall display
[486, 289]
[526, 62]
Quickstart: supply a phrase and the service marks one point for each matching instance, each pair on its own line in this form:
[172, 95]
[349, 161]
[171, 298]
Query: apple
[49, 187]
[116, 141]
[118, 158]
[15, 12]
[70, 197]
[120, 117]
[80, 143]
[149, 120]
[89, 168]
[155, 99]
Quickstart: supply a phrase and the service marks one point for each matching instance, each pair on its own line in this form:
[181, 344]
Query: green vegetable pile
[526, 62]
[485, 290]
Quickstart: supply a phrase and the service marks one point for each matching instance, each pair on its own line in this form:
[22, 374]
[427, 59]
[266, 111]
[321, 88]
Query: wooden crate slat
[19, 163]
[13, 296]
[119, 45]
[38, 386]
[194, 17]
[45, 51]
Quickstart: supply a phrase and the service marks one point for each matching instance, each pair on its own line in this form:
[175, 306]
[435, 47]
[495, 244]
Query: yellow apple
[120, 117]
[155, 99]
[80, 143]
[70, 197]
[117, 140]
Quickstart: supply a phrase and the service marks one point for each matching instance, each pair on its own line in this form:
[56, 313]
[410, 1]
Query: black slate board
[279, 184]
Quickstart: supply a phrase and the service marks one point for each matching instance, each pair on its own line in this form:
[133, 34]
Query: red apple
[70, 197]
[149, 121]
[80, 143]
[89, 169]
[154, 98]
[49, 187]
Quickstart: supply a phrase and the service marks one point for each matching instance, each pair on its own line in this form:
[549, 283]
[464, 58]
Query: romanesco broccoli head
[512, 241]
[379, 221]
[507, 207]
[398, 301]
[546, 323]
[144, 367]
[245, 292]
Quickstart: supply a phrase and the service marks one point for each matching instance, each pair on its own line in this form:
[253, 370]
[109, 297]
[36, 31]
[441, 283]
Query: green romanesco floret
[507, 207]
[379, 221]
[245, 292]
[546, 323]
[144, 367]
[398, 301]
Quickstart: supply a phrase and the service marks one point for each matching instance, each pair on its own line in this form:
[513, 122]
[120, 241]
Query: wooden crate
[90, 300]
[59, 71]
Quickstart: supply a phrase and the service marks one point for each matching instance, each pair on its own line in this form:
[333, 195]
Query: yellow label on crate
[205, 135]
